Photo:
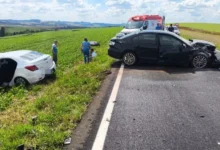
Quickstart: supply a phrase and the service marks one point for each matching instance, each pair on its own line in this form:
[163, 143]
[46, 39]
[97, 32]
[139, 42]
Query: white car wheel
[20, 81]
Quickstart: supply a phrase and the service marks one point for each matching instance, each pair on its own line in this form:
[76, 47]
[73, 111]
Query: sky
[111, 11]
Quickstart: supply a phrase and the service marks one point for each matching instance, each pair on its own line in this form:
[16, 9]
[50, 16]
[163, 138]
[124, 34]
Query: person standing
[85, 48]
[171, 29]
[55, 51]
[158, 27]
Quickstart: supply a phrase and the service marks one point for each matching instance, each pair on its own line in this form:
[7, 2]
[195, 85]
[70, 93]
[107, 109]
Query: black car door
[172, 50]
[146, 47]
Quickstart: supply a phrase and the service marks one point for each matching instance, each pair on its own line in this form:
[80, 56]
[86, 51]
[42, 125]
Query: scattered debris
[67, 141]
[114, 101]
[134, 119]
[108, 72]
[20, 147]
[107, 120]
[173, 85]
[202, 116]
[34, 119]
[218, 143]
[30, 148]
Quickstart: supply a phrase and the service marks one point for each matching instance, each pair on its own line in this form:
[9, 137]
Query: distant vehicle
[176, 24]
[176, 30]
[163, 47]
[24, 67]
[143, 22]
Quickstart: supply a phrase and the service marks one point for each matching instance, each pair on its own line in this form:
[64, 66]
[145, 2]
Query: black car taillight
[31, 68]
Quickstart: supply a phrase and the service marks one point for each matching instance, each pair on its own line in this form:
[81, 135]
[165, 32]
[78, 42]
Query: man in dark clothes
[171, 29]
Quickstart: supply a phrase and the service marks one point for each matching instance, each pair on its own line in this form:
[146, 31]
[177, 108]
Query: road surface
[163, 108]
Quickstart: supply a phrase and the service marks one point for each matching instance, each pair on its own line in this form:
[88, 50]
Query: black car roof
[150, 31]
[157, 31]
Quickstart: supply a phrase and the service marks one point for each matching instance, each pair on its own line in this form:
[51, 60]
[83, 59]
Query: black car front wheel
[199, 61]
[129, 58]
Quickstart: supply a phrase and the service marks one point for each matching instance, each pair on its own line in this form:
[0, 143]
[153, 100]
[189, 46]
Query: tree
[2, 31]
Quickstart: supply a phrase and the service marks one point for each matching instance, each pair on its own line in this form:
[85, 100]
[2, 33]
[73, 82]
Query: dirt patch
[199, 30]
[203, 36]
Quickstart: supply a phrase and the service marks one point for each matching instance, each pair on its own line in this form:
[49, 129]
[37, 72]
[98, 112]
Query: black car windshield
[134, 24]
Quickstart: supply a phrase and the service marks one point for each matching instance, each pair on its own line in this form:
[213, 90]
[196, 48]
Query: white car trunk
[43, 63]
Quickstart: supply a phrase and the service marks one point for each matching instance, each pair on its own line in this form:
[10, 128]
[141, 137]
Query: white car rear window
[31, 56]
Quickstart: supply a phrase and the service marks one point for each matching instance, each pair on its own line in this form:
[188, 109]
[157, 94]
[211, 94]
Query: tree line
[2, 32]
[29, 31]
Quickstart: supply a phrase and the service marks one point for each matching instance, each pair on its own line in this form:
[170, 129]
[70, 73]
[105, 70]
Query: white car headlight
[111, 43]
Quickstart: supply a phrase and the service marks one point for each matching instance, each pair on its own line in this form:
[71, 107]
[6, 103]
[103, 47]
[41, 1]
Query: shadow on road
[170, 69]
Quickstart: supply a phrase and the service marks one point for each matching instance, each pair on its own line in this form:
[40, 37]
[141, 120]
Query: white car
[176, 30]
[24, 67]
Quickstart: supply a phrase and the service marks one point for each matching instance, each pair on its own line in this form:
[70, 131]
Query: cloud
[112, 11]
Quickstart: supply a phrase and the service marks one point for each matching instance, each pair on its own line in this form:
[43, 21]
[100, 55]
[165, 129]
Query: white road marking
[103, 128]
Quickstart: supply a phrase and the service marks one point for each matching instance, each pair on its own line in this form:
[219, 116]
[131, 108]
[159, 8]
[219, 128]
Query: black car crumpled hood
[202, 43]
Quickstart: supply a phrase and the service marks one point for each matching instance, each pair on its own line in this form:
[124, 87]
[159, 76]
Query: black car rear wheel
[129, 58]
[199, 61]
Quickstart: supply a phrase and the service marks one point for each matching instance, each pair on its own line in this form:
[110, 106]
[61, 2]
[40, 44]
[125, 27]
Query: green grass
[211, 27]
[59, 104]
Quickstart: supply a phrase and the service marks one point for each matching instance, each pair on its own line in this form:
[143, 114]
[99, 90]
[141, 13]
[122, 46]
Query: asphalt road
[166, 108]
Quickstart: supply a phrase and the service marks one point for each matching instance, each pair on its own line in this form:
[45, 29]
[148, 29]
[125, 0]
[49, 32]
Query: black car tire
[199, 61]
[20, 81]
[129, 58]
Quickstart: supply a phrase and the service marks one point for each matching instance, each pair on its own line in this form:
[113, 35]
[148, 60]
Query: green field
[59, 104]
[211, 27]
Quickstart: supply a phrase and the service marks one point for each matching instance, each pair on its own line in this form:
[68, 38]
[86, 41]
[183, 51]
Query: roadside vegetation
[203, 36]
[209, 28]
[58, 104]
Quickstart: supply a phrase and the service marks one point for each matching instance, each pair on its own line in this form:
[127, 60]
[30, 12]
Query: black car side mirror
[184, 45]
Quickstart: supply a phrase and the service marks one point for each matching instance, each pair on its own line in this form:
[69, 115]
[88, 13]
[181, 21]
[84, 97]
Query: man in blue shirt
[55, 51]
[85, 47]
[158, 27]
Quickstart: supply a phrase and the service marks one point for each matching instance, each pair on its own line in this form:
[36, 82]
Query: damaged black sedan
[163, 47]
